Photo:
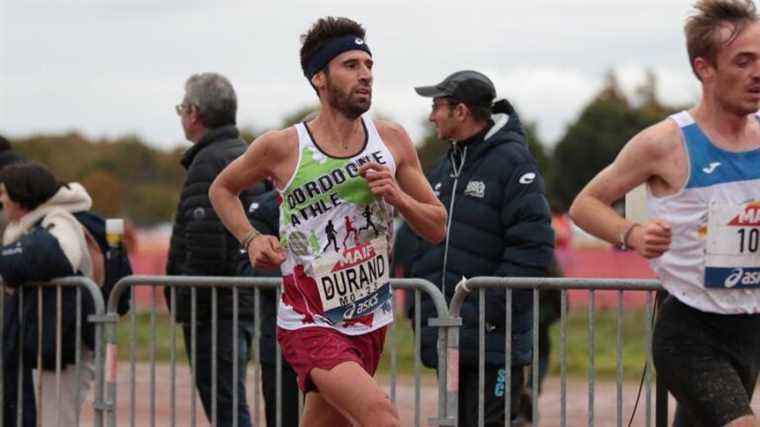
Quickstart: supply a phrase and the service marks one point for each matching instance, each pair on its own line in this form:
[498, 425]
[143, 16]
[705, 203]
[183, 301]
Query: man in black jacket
[499, 225]
[201, 246]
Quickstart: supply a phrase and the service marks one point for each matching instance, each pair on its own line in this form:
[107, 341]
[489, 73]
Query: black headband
[330, 50]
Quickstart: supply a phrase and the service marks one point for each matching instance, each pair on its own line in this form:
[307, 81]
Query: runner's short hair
[702, 27]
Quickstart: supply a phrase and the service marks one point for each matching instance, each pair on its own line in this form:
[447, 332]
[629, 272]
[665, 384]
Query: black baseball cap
[471, 87]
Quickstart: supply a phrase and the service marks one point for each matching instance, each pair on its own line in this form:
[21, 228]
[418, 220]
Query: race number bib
[732, 258]
[355, 282]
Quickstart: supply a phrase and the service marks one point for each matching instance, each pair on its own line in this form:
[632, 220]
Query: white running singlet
[338, 236]
[713, 263]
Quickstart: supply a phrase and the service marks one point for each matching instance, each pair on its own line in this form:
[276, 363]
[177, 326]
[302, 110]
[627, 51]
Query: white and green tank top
[337, 236]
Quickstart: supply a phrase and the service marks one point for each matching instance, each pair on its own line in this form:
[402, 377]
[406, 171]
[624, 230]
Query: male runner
[335, 304]
[702, 170]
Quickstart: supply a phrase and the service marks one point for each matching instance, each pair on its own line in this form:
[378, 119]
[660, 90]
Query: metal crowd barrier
[97, 318]
[479, 284]
[445, 324]
[448, 322]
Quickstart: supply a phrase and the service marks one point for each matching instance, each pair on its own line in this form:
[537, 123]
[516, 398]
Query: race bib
[732, 258]
[354, 282]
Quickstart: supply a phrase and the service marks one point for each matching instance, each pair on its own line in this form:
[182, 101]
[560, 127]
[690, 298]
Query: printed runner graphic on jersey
[733, 246]
[337, 234]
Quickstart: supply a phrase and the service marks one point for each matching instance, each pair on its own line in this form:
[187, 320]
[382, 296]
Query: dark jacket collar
[478, 137]
[211, 136]
[502, 129]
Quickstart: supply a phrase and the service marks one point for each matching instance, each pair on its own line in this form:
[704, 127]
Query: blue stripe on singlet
[711, 165]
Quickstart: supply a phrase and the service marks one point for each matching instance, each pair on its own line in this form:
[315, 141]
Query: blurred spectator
[43, 240]
[201, 246]
[499, 225]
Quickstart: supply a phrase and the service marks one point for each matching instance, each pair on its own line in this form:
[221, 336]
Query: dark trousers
[224, 364]
[11, 372]
[10, 395]
[494, 392]
[289, 394]
[544, 351]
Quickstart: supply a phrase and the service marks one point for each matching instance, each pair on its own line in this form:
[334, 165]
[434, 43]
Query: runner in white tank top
[341, 177]
[702, 170]
[715, 220]
[337, 234]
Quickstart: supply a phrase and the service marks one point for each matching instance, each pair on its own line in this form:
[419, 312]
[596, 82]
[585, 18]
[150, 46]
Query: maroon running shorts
[326, 348]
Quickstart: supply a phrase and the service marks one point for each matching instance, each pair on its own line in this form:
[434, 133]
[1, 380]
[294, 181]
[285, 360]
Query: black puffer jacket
[500, 226]
[200, 244]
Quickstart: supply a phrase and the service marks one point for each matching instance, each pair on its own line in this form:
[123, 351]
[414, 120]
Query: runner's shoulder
[660, 140]
[395, 137]
[391, 131]
[279, 142]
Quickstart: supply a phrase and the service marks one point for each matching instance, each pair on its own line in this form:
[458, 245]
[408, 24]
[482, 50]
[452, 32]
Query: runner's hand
[382, 183]
[265, 253]
[651, 239]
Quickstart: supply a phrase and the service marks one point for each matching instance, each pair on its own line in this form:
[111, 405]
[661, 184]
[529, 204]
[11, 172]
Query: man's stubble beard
[342, 102]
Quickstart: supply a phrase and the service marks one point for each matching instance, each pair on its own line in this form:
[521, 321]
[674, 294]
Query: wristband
[249, 238]
[625, 235]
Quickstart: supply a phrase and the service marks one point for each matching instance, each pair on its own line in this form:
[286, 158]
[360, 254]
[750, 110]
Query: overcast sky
[113, 67]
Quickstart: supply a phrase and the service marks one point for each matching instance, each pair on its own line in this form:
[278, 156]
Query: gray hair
[214, 97]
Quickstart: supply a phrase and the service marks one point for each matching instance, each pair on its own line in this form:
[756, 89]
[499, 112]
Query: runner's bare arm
[642, 158]
[409, 190]
[253, 166]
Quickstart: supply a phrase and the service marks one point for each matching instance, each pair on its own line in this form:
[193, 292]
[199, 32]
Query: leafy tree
[124, 176]
[106, 192]
[248, 134]
[298, 115]
[596, 137]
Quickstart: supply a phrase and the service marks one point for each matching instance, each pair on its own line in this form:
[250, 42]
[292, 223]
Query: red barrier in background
[607, 263]
[599, 262]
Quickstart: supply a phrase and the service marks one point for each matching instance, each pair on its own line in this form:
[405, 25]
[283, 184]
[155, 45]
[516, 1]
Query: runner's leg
[317, 412]
[353, 392]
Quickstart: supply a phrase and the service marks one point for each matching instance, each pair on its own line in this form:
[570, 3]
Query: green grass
[143, 338]
[605, 344]
[577, 343]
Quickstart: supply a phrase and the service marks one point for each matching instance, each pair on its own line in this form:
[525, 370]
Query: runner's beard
[346, 103]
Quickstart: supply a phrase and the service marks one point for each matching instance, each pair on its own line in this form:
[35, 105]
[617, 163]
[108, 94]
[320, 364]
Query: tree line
[127, 177]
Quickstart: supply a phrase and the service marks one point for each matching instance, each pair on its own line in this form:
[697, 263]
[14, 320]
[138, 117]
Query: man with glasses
[499, 225]
[201, 246]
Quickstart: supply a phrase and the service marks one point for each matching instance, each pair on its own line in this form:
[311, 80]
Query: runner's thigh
[351, 390]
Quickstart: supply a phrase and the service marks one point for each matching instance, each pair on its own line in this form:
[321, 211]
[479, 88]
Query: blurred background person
[42, 241]
[201, 246]
[498, 225]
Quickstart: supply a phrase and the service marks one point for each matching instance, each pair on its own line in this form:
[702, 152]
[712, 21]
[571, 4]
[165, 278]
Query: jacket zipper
[455, 173]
